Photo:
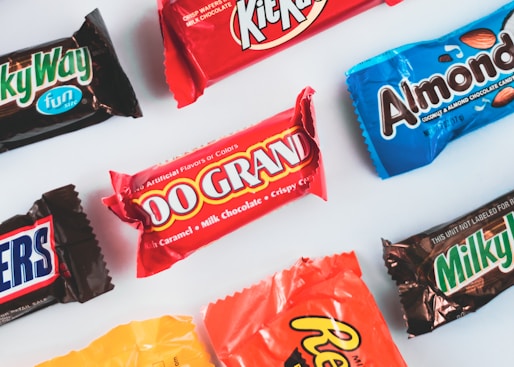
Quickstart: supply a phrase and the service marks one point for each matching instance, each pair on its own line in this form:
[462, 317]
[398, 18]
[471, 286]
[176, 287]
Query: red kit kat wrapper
[186, 203]
[206, 40]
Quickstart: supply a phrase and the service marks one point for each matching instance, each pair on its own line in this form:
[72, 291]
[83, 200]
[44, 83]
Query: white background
[361, 208]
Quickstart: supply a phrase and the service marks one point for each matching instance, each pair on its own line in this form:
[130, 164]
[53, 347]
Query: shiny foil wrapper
[454, 268]
[62, 86]
[49, 255]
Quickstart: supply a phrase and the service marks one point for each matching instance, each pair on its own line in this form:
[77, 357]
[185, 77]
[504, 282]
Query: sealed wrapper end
[62, 86]
[317, 313]
[454, 268]
[167, 341]
[186, 203]
[413, 100]
[49, 255]
[205, 40]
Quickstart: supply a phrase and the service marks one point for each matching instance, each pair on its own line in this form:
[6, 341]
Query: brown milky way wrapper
[62, 86]
[454, 268]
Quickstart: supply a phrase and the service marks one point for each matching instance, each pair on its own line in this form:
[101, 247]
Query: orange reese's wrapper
[317, 313]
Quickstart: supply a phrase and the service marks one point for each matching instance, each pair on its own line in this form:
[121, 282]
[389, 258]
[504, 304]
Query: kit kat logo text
[264, 24]
[238, 174]
[28, 260]
[327, 340]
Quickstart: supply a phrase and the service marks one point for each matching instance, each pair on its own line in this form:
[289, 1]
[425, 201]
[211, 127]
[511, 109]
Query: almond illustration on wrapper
[481, 38]
[503, 97]
[445, 58]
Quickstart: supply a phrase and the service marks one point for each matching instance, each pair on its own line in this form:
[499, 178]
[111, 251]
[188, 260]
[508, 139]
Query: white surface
[361, 208]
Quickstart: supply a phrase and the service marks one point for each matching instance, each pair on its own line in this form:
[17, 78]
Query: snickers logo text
[27, 259]
[328, 340]
[237, 174]
[264, 24]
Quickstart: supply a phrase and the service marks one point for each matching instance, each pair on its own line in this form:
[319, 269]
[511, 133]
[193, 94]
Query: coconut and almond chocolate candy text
[435, 91]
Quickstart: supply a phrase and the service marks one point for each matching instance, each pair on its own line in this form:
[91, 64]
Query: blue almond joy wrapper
[411, 101]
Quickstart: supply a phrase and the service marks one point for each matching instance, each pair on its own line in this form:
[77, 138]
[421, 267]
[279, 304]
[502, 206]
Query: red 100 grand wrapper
[186, 203]
[206, 40]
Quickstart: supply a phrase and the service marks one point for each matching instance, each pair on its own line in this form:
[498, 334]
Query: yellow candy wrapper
[168, 341]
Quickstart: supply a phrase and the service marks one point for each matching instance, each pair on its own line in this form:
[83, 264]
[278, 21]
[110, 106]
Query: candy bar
[413, 100]
[62, 86]
[318, 313]
[454, 268]
[188, 202]
[160, 342]
[49, 255]
[207, 40]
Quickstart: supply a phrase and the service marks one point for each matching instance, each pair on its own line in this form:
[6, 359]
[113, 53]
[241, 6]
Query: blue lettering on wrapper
[59, 100]
[21, 249]
[28, 260]
[4, 266]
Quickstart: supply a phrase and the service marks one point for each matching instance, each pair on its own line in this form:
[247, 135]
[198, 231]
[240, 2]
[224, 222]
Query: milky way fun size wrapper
[186, 203]
[62, 85]
[454, 268]
[317, 313]
[413, 100]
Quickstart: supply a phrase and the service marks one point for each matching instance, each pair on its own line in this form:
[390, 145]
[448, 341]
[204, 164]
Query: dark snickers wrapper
[49, 255]
[454, 268]
[62, 86]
